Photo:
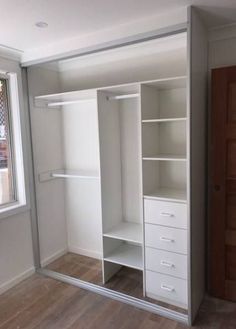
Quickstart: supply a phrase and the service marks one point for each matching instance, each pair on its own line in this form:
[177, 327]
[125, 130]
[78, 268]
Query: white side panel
[197, 52]
[110, 161]
[130, 159]
[48, 154]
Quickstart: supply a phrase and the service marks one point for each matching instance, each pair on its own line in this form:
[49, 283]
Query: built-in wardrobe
[118, 141]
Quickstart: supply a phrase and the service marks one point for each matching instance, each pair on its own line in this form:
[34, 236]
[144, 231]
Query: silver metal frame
[31, 172]
[147, 306]
[189, 122]
[128, 41]
[136, 302]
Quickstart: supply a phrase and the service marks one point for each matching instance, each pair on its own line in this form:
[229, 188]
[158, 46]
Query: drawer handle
[162, 238]
[167, 264]
[166, 214]
[167, 288]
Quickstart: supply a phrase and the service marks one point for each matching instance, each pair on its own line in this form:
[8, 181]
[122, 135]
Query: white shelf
[127, 255]
[120, 91]
[127, 231]
[164, 120]
[67, 98]
[60, 173]
[166, 157]
[168, 194]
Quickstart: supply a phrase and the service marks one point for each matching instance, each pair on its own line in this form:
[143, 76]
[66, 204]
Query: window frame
[15, 111]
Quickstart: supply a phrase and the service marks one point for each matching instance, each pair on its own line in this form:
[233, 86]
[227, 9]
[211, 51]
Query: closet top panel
[66, 98]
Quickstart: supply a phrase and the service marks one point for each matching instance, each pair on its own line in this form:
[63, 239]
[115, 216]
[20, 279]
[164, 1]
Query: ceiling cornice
[11, 53]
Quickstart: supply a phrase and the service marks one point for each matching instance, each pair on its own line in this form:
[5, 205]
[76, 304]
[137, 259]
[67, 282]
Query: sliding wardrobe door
[197, 107]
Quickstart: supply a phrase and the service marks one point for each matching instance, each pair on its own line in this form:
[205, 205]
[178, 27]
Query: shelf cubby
[164, 100]
[165, 140]
[126, 255]
[126, 231]
[164, 180]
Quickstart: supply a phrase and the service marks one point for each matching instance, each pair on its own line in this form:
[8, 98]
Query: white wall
[222, 47]
[16, 255]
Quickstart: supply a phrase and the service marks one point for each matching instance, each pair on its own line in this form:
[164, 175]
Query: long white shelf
[166, 157]
[126, 231]
[128, 90]
[164, 120]
[168, 194]
[127, 255]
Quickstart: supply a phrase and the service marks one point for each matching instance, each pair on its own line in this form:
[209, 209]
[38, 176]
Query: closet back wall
[82, 196]
[147, 61]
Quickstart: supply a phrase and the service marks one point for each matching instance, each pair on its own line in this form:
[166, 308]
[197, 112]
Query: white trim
[15, 280]
[85, 252]
[222, 33]
[53, 257]
[19, 163]
[10, 53]
[17, 147]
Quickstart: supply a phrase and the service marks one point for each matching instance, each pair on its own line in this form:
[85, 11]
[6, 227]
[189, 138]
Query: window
[12, 178]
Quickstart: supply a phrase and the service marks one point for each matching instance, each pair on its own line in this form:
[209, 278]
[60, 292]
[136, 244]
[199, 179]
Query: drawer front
[166, 262]
[166, 238]
[165, 213]
[166, 288]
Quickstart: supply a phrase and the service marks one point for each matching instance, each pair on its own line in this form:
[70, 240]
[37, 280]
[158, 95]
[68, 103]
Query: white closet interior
[112, 163]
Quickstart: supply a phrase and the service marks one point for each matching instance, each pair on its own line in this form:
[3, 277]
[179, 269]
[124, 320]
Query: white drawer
[166, 288]
[166, 238]
[166, 262]
[165, 213]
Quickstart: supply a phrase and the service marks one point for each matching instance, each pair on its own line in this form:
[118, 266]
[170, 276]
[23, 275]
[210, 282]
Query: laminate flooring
[127, 280]
[44, 303]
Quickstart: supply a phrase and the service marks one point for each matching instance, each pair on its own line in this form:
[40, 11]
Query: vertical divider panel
[110, 170]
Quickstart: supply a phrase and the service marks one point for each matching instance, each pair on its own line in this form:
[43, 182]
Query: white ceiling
[74, 19]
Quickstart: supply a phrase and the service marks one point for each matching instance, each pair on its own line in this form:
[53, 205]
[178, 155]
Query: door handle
[166, 214]
[168, 288]
[163, 238]
[167, 264]
[216, 187]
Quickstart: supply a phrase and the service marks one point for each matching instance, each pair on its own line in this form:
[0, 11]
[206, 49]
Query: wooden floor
[44, 303]
[128, 281]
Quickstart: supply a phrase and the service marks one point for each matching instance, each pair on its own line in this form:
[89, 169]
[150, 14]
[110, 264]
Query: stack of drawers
[166, 251]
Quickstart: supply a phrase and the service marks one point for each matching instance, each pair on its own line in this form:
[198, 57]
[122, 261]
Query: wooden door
[222, 228]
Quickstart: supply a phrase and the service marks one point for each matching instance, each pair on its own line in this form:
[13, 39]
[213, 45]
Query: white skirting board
[53, 257]
[17, 279]
[84, 252]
